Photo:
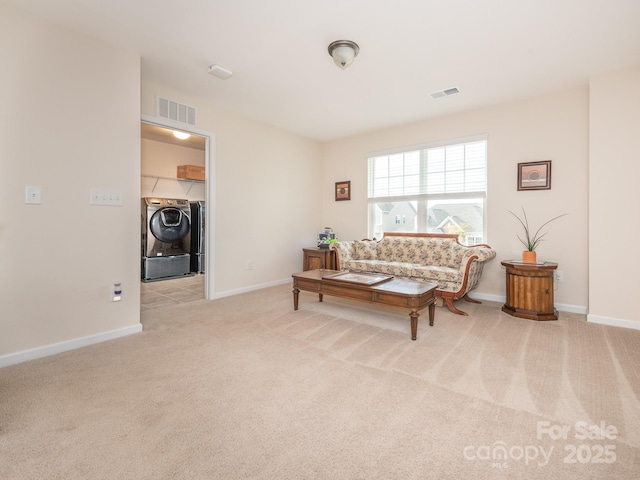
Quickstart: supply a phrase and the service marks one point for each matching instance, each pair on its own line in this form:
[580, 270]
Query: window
[435, 189]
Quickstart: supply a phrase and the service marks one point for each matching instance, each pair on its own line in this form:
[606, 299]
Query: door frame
[209, 188]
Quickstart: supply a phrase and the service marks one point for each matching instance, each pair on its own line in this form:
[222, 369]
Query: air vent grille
[445, 92]
[178, 112]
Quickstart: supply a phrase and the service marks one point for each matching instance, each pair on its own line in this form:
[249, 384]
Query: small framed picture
[343, 191]
[534, 175]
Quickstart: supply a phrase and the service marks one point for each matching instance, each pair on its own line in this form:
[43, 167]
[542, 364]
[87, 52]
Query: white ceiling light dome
[181, 135]
[343, 52]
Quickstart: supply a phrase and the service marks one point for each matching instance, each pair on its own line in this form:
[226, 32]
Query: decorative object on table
[343, 190]
[326, 237]
[534, 175]
[530, 241]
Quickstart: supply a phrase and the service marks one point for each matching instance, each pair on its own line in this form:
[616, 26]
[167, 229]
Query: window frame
[425, 197]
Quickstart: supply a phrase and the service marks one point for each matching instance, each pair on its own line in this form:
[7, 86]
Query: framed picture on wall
[343, 190]
[534, 175]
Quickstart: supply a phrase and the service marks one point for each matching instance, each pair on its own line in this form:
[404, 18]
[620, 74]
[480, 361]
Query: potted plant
[530, 241]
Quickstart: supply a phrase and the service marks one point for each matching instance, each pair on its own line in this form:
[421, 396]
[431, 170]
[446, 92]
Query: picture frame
[343, 191]
[534, 175]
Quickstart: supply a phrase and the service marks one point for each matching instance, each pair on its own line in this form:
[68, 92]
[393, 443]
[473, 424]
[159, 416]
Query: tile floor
[170, 292]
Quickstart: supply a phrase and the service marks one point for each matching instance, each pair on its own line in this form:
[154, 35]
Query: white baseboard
[488, 297]
[614, 322]
[54, 348]
[260, 286]
[563, 307]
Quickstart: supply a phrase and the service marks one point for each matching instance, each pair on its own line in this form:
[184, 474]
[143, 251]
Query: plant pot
[528, 256]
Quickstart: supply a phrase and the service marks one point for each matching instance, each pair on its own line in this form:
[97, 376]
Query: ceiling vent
[445, 93]
[176, 111]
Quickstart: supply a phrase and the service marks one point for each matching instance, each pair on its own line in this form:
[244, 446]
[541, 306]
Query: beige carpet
[245, 387]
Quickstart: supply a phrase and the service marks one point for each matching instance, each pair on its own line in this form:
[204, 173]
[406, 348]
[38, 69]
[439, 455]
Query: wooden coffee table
[371, 288]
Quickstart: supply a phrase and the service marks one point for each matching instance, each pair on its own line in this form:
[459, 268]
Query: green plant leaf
[531, 242]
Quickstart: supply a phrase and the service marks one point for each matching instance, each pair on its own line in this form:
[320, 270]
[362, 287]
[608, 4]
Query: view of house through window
[434, 189]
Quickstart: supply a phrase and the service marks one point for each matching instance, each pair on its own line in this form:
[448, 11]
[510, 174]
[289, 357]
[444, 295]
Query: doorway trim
[209, 188]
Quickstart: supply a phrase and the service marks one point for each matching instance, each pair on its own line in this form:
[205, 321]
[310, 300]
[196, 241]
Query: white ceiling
[492, 50]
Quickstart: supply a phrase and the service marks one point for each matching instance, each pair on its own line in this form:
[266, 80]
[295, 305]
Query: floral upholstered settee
[435, 258]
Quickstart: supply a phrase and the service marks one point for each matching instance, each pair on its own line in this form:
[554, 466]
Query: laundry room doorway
[176, 167]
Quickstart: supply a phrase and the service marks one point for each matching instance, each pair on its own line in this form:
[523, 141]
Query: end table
[530, 290]
[314, 258]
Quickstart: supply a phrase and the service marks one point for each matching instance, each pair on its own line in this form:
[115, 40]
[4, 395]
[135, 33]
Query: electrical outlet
[249, 264]
[559, 276]
[116, 294]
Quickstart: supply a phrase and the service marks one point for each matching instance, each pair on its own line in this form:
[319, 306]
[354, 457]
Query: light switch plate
[33, 195]
[98, 196]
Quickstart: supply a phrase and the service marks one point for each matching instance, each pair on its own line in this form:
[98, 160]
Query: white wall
[267, 195]
[614, 169]
[158, 166]
[553, 127]
[70, 122]
[77, 128]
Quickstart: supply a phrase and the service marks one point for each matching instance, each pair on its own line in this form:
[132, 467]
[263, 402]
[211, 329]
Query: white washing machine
[166, 238]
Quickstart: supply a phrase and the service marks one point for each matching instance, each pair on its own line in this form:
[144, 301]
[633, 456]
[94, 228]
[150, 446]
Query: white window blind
[447, 169]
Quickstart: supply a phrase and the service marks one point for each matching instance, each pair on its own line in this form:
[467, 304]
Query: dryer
[197, 236]
[166, 238]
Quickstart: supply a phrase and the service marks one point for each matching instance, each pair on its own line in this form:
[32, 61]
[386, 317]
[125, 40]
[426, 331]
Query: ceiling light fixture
[181, 135]
[343, 52]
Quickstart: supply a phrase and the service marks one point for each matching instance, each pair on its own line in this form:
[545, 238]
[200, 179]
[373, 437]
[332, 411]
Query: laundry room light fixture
[181, 135]
[343, 52]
